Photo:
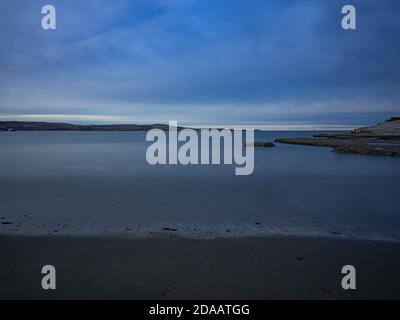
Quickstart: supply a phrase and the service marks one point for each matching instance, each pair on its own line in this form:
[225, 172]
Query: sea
[71, 183]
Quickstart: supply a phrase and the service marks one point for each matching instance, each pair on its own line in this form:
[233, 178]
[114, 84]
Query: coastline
[198, 232]
[180, 268]
[288, 254]
[382, 139]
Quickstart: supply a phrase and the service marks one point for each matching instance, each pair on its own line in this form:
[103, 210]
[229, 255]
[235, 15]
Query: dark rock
[259, 144]
[369, 150]
[169, 229]
[393, 119]
[327, 290]
[316, 141]
[6, 222]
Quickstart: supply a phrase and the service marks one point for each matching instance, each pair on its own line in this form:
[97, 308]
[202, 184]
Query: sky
[200, 62]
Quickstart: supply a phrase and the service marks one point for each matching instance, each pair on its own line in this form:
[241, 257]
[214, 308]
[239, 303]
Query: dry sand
[176, 268]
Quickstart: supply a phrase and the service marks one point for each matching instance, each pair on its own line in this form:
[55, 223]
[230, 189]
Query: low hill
[51, 126]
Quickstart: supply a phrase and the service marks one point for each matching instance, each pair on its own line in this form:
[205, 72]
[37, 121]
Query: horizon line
[275, 126]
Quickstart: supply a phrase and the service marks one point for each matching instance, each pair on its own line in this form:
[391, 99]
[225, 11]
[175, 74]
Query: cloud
[201, 60]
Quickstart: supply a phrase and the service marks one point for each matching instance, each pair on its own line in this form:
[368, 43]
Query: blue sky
[200, 62]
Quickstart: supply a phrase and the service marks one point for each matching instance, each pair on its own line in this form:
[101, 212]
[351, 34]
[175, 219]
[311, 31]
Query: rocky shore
[258, 144]
[381, 140]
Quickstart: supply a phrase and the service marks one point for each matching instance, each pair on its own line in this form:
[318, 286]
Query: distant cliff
[49, 126]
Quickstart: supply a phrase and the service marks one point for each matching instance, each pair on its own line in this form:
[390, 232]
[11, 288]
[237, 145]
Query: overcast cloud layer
[200, 61]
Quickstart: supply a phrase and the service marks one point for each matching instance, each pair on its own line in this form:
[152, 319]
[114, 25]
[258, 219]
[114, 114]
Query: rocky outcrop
[368, 150]
[259, 144]
[380, 140]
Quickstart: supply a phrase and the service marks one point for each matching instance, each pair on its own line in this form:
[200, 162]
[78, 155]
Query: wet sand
[177, 268]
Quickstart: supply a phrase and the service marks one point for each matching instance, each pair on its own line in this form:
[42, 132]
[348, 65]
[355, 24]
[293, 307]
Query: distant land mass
[54, 126]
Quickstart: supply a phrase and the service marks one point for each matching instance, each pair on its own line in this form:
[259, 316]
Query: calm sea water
[100, 183]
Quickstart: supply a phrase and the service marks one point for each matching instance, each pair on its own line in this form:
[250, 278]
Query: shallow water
[100, 183]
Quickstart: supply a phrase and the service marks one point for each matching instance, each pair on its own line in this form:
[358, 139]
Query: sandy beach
[199, 150]
[177, 268]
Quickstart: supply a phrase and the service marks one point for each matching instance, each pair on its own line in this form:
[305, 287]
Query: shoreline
[201, 233]
[180, 268]
[382, 139]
